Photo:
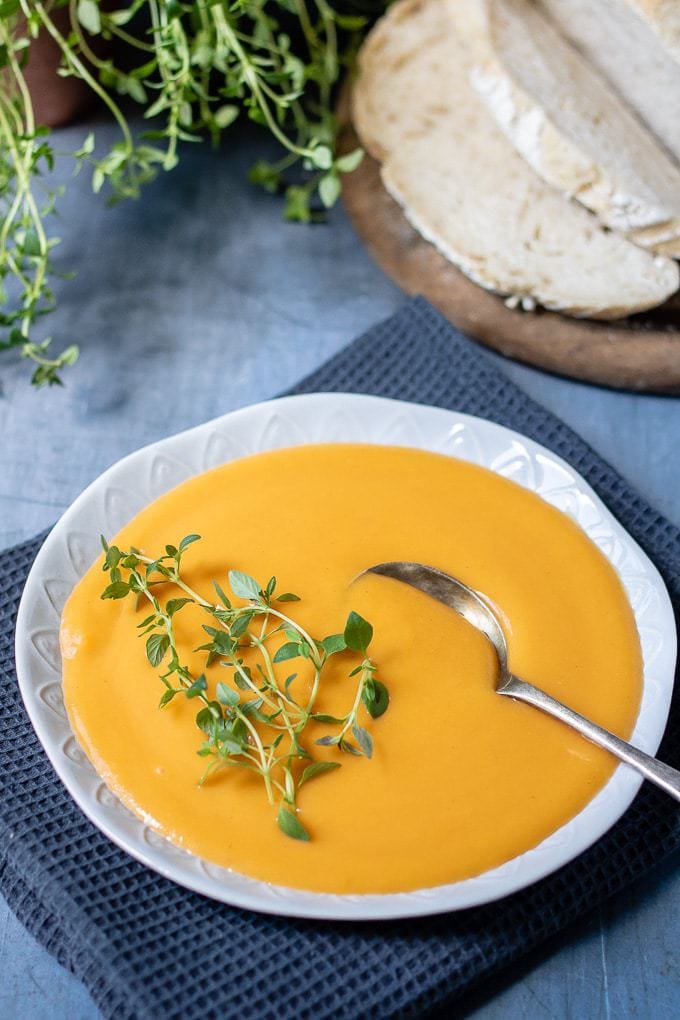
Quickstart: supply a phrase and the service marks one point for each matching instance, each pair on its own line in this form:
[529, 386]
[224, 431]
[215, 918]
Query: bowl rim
[300, 420]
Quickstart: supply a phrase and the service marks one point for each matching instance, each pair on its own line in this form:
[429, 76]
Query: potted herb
[193, 70]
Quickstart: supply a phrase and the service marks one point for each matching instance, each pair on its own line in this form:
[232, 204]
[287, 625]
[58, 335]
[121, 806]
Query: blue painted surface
[202, 289]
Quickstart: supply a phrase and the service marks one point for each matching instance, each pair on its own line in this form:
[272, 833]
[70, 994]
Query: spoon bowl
[477, 609]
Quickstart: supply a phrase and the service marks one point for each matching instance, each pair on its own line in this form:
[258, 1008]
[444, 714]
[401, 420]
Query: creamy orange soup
[461, 779]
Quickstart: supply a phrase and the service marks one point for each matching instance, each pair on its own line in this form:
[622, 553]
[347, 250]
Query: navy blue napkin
[146, 948]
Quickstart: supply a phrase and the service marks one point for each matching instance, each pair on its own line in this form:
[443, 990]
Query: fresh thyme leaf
[174, 604]
[358, 633]
[287, 597]
[317, 769]
[363, 739]
[287, 682]
[334, 643]
[232, 746]
[205, 720]
[221, 596]
[199, 685]
[253, 708]
[376, 698]
[240, 625]
[187, 541]
[116, 590]
[322, 717]
[243, 585]
[166, 697]
[291, 825]
[327, 741]
[346, 745]
[226, 695]
[240, 680]
[291, 650]
[156, 648]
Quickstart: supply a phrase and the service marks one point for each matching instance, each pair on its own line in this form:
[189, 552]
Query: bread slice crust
[465, 188]
[567, 122]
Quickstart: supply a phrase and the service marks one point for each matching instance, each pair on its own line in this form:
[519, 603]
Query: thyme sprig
[193, 68]
[257, 721]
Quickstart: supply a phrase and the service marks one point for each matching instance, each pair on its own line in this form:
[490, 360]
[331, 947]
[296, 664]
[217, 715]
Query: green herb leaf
[322, 157]
[287, 597]
[290, 650]
[166, 697]
[175, 604]
[240, 625]
[243, 585]
[329, 189]
[334, 643]
[240, 680]
[290, 824]
[156, 647]
[205, 720]
[358, 633]
[363, 739]
[232, 746]
[346, 164]
[317, 769]
[376, 698]
[226, 695]
[225, 115]
[346, 745]
[187, 540]
[253, 708]
[116, 590]
[221, 596]
[327, 741]
[198, 686]
[88, 16]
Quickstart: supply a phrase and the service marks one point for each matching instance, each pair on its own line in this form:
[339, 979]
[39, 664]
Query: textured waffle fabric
[146, 948]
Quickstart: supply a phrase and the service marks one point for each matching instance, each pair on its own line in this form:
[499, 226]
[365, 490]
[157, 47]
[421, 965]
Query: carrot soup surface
[461, 779]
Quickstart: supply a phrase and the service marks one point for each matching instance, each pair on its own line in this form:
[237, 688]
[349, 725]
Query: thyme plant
[192, 69]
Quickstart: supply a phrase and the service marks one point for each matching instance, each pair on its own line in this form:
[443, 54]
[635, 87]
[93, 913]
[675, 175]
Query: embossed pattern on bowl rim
[125, 488]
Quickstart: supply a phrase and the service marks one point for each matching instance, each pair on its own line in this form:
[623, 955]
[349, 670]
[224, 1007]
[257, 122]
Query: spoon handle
[655, 771]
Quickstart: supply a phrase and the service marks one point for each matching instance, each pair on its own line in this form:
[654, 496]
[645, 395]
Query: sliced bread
[467, 190]
[636, 45]
[568, 123]
[663, 16]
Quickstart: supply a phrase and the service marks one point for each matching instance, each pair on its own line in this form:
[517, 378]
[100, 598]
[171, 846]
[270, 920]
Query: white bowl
[132, 483]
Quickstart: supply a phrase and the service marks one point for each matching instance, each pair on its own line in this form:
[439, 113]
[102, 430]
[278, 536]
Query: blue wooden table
[199, 299]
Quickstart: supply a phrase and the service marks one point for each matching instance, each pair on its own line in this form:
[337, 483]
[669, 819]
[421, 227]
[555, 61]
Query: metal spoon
[474, 608]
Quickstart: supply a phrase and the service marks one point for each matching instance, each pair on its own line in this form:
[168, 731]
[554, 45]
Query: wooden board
[639, 353]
